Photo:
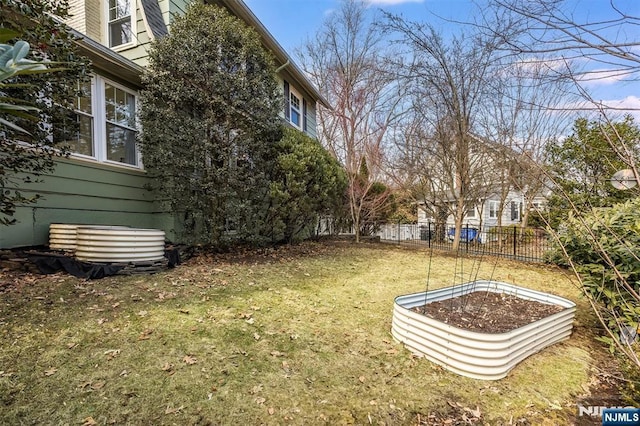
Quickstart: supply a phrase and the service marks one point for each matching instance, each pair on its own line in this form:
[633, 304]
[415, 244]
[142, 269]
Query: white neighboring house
[484, 215]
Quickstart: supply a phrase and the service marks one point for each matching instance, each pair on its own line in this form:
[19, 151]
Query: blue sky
[292, 21]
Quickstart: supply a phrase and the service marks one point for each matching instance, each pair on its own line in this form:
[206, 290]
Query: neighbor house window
[120, 24]
[493, 209]
[471, 213]
[537, 205]
[106, 116]
[515, 211]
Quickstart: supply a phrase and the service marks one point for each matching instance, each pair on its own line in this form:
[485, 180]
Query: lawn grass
[295, 335]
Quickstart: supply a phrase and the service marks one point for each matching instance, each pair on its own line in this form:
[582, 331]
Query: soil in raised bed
[487, 312]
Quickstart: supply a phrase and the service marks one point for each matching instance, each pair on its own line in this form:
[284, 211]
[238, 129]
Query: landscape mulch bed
[487, 312]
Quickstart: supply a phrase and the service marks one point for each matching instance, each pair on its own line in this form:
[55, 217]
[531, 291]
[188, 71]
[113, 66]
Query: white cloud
[602, 77]
[614, 108]
[630, 104]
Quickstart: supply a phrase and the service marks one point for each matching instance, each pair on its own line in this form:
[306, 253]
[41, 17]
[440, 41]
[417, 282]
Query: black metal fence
[514, 242]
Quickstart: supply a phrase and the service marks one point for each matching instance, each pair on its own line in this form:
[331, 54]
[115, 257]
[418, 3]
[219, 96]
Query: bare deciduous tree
[572, 45]
[448, 82]
[598, 244]
[346, 60]
[521, 116]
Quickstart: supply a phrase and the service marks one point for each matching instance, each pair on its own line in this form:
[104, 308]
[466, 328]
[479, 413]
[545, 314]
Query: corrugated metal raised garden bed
[472, 353]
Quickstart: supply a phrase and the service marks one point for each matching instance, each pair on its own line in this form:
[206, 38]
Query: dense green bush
[209, 114]
[604, 248]
[306, 182]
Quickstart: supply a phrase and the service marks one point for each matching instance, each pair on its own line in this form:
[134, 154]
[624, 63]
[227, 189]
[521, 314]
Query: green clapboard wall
[83, 192]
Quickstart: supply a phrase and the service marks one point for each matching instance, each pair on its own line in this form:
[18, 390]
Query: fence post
[466, 246]
[429, 235]
[398, 232]
[515, 240]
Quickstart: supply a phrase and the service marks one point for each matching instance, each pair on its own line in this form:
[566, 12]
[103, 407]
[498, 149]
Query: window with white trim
[537, 206]
[79, 138]
[106, 114]
[471, 213]
[493, 209]
[296, 109]
[120, 27]
[120, 125]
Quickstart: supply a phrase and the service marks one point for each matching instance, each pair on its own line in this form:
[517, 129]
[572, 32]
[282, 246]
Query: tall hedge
[210, 121]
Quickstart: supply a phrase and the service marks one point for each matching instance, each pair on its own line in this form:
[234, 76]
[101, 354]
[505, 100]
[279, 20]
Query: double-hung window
[106, 116]
[296, 111]
[120, 27]
[79, 138]
[120, 125]
[493, 209]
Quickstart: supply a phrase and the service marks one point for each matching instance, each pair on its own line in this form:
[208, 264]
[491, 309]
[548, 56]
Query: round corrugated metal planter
[483, 356]
[62, 236]
[119, 245]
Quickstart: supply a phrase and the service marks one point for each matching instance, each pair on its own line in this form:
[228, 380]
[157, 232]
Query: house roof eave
[242, 11]
[106, 59]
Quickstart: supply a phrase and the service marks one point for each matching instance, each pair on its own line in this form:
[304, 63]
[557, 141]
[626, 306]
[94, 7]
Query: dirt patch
[487, 312]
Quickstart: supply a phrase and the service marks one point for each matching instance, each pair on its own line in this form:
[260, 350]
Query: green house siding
[85, 193]
[176, 7]
[140, 52]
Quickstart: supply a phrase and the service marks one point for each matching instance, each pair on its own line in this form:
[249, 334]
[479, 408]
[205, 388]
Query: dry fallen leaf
[50, 372]
[142, 313]
[112, 353]
[271, 411]
[475, 413]
[189, 359]
[260, 400]
[89, 422]
[168, 368]
[97, 385]
[170, 410]
[277, 353]
[145, 334]
[256, 336]
[362, 379]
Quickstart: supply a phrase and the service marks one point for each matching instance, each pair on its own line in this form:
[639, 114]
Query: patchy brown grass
[295, 335]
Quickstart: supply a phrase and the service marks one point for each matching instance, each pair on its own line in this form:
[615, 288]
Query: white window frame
[493, 208]
[294, 93]
[104, 121]
[92, 116]
[134, 30]
[98, 106]
[471, 213]
[537, 206]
